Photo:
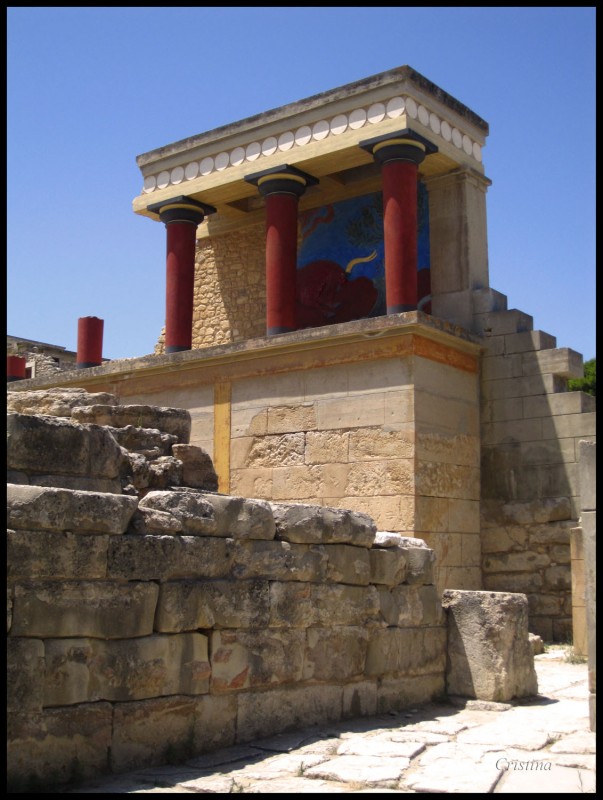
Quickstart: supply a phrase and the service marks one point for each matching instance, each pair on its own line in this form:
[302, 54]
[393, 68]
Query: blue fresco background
[353, 229]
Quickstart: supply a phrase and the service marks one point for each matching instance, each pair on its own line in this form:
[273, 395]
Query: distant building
[42, 358]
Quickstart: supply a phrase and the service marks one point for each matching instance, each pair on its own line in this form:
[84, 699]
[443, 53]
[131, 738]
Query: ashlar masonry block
[489, 653]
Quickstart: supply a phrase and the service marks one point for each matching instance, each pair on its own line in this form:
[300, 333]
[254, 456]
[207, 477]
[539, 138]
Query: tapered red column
[89, 342]
[399, 156]
[282, 187]
[15, 368]
[181, 217]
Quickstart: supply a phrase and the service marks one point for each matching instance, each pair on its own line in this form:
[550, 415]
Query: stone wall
[531, 427]
[150, 618]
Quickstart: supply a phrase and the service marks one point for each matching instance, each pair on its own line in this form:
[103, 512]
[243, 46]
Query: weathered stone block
[197, 467]
[80, 608]
[359, 699]
[48, 508]
[588, 475]
[152, 732]
[162, 558]
[278, 561]
[326, 447]
[55, 402]
[387, 567]
[150, 442]
[526, 561]
[54, 446]
[406, 651]
[523, 582]
[396, 476]
[266, 713]
[24, 675]
[347, 564]
[489, 653]
[87, 670]
[175, 421]
[310, 524]
[194, 512]
[411, 606]
[190, 605]
[58, 746]
[240, 518]
[56, 554]
[165, 472]
[337, 604]
[368, 444]
[147, 521]
[396, 694]
[558, 578]
[336, 653]
[291, 605]
[215, 721]
[254, 659]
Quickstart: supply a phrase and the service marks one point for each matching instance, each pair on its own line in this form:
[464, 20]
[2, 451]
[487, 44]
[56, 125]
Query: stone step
[487, 300]
[499, 323]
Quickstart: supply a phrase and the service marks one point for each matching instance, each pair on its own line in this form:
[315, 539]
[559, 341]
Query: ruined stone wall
[531, 427]
[150, 619]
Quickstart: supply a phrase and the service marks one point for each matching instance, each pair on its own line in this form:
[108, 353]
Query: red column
[281, 262]
[15, 368]
[400, 235]
[89, 342]
[180, 285]
[399, 155]
[181, 216]
[282, 187]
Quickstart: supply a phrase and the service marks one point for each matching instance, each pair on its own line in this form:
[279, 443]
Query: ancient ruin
[341, 422]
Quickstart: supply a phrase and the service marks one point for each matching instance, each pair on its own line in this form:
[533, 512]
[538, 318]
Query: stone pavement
[540, 745]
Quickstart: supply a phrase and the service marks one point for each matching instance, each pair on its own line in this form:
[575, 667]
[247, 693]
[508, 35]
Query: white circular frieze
[149, 184]
[163, 179]
[375, 113]
[206, 166]
[286, 140]
[269, 146]
[434, 123]
[446, 131]
[237, 156]
[467, 145]
[177, 175]
[477, 151]
[222, 161]
[320, 130]
[191, 170]
[339, 124]
[357, 118]
[395, 107]
[411, 107]
[423, 115]
[303, 135]
[252, 151]
[457, 138]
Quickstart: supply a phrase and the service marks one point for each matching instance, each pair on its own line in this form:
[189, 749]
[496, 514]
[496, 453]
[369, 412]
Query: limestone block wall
[395, 438]
[531, 427]
[146, 625]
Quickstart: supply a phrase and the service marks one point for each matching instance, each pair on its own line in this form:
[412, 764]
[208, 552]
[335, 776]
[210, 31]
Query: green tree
[588, 383]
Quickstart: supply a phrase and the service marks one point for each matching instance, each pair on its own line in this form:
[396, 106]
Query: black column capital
[281, 180]
[404, 145]
[181, 209]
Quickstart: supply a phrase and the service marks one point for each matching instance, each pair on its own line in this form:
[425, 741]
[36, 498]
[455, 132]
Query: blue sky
[89, 89]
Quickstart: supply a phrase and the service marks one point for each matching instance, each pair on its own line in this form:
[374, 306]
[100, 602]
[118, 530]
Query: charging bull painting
[340, 273]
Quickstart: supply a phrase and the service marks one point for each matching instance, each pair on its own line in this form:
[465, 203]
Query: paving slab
[538, 780]
[367, 770]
